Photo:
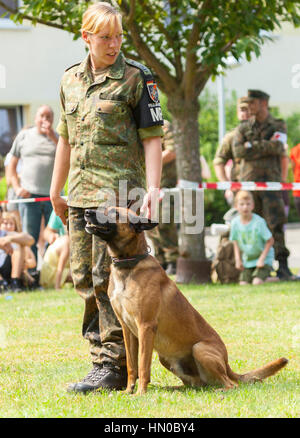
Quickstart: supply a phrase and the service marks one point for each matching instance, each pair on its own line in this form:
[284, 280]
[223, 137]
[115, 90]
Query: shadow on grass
[185, 389]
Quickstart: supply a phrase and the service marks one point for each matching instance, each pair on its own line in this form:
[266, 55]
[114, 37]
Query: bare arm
[30, 261]
[237, 256]
[59, 177]
[23, 239]
[14, 179]
[261, 261]
[220, 172]
[153, 160]
[6, 245]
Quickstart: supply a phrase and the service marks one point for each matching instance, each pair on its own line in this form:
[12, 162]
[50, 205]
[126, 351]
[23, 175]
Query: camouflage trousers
[270, 206]
[164, 238]
[90, 268]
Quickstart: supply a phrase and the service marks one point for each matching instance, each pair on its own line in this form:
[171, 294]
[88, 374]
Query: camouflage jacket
[225, 153]
[261, 161]
[105, 122]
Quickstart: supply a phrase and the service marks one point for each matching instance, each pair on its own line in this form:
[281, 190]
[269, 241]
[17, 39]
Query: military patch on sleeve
[152, 90]
[148, 111]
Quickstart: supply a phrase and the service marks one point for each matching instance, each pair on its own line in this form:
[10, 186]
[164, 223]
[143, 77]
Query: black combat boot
[105, 376]
[283, 272]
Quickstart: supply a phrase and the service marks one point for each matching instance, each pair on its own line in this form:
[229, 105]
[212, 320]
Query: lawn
[42, 351]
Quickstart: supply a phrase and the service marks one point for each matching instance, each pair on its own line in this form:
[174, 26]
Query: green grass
[42, 351]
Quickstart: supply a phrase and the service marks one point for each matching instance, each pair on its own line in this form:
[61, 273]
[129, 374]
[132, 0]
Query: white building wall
[34, 60]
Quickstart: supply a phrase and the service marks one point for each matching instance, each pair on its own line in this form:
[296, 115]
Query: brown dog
[155, 314]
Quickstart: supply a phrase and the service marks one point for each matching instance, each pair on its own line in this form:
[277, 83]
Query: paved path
[292, 236]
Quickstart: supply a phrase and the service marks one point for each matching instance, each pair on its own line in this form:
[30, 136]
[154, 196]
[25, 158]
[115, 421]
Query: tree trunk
[192, 265]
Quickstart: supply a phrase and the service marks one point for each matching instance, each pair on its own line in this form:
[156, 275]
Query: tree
[184, 42]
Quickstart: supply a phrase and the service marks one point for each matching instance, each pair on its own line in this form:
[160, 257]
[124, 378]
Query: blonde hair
[11, 215]
[243, 195]
[99, 15]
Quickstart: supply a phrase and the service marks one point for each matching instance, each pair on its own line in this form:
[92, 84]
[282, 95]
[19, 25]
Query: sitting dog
[154, 314]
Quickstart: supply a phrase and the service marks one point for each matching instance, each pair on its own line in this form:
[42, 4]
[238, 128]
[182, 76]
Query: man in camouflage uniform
[164, 237]
[259, 145]
[110, 117]
[225, 152]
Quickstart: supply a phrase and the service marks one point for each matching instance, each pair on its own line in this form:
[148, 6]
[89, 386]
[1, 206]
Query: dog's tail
[267, 370]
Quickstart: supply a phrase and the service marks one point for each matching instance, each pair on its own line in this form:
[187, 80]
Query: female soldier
[110, 126]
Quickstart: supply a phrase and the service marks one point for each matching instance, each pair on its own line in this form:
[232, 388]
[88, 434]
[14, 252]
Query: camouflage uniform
[224, 153]
[164, 237]
[105, 120]
[261, 161]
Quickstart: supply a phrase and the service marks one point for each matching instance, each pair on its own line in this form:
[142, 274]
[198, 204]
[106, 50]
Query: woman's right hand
[59, 206]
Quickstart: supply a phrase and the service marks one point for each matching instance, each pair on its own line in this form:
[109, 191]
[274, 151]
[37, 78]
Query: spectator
[251, 236]
[36, 148]
[55, 270]
[14, 256]
[295, 160]
[54, 229]
[10, 194]
[226, 166]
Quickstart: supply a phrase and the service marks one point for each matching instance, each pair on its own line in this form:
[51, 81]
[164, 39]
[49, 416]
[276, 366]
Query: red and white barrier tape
[27, 200]
[24, 200]
[243, 185]
[184, 184]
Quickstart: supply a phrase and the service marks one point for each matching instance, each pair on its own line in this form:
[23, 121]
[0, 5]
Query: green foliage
[3, 189]
[173, 30]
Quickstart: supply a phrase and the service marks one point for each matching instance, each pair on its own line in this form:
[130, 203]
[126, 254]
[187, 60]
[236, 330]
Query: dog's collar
[129, 262]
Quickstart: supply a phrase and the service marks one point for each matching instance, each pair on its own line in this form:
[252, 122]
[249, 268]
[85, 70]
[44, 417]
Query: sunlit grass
[42, 351]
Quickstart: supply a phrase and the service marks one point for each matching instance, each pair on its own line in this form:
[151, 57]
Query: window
[11, 121]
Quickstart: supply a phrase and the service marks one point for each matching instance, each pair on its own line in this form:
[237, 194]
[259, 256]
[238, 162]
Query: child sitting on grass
[15, 253]
[253, 242]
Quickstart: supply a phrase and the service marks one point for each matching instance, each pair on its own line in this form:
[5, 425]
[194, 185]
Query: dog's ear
[143, 225]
